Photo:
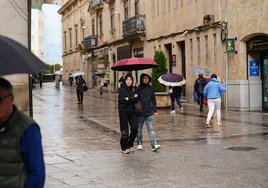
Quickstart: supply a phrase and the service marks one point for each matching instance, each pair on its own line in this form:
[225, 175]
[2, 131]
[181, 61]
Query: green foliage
[51, 68]
[37, 6]
[161, 60]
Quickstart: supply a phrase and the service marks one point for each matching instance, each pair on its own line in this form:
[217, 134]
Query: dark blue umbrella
[172, 79]
[15, 58]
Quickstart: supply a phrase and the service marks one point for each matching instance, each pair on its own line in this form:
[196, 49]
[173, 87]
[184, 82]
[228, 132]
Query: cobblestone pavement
[81, 145]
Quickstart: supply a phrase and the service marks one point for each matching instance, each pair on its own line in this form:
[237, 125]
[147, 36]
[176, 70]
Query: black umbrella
[15, 58]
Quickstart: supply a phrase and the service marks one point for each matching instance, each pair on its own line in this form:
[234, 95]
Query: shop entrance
[257, 49]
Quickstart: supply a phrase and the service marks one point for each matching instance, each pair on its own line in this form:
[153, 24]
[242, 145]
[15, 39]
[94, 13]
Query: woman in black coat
[175, 93]
[127, 115]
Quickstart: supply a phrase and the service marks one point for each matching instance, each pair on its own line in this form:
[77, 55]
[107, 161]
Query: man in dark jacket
[199, 86]
[21, 154]
[148, 101]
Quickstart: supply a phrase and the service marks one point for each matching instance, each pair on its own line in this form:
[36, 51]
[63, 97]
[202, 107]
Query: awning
[101, 51]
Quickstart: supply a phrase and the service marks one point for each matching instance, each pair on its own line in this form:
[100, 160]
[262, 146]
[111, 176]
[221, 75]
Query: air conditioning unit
[85, 59]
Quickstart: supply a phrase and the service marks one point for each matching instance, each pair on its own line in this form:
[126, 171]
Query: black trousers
[127, 139]
[200, 100]
[80, 96]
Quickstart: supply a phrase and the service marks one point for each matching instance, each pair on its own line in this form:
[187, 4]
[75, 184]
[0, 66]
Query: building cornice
[66, 5]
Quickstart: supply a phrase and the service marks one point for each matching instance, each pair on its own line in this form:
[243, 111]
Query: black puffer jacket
[176, 91]
[126, 106]
[147, 97]
[199, 85]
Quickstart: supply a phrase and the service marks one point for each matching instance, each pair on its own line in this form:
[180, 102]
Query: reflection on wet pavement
[81, 144]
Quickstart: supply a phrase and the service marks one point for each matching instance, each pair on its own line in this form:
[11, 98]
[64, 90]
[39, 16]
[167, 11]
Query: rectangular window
[126, 9]
[65, 40]
[100, 19]
[215, 48]
[164, 9]
[112, 18]
[70, 35]
[191, 51]
[198, 51]
[177, 3]
[153, 8]
[76, 36]
[157, 7]
[82, 32]
[93, 26]
[137, 2]
[206, 40]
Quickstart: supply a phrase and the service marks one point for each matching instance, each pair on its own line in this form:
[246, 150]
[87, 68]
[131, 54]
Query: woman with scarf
[127, 116]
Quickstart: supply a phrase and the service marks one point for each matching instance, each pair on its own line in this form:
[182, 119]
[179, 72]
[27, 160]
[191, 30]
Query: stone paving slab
[81, 146]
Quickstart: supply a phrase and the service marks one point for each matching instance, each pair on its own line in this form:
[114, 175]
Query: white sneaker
[156, 147]
[173, 112]
[181, 109]
[139, 147]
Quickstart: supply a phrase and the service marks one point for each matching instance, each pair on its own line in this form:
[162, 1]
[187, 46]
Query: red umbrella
[134, 64]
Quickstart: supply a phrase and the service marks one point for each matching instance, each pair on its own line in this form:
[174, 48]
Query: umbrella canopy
[201, 70]
[171, 79]
[134, 64]
[58, 72]
[15, 58]
[77, 74]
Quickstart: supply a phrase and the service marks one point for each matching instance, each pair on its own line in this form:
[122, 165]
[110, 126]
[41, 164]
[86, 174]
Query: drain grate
[242, 148]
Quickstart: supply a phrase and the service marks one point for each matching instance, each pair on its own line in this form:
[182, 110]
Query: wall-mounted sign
[230, 45]
[257, 43]
[254, 68]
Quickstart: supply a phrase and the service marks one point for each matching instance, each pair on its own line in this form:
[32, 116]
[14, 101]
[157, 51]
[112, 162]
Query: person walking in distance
[199, 86]
[71, 80]
[175, 94]
[213, 92]
[149, 109]
[80, 82]
[127, 115]
[21, 154]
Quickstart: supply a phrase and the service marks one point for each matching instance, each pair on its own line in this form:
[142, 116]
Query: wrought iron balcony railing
[90, 42]
[134, 25]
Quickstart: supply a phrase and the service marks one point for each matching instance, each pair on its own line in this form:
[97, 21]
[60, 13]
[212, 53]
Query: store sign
[230, 45]
[254, 68]
[257, 43]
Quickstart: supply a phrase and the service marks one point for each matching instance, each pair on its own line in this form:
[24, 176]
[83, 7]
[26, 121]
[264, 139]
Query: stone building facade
[14, 25]
[192, 34]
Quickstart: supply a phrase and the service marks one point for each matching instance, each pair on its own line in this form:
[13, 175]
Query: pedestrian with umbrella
[174, 81]
[199, 86]
[80, 82]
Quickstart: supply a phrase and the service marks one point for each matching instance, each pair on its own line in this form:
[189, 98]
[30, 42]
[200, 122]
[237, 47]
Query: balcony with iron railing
[95, 5]
[90, 42]
[108, 1]
[134, 26]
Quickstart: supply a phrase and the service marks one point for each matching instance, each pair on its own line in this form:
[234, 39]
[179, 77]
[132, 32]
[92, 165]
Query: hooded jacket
[199, 85]
[126, 106]
[147, 97]
[214, 90]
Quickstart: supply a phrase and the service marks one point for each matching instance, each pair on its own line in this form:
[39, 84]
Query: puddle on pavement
[242, 148]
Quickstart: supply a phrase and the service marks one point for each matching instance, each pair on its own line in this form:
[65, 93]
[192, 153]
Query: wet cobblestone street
[81, 145]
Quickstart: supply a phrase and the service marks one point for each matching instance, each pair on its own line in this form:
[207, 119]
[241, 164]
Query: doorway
[168, 48]
[181, 46]
[264, 78]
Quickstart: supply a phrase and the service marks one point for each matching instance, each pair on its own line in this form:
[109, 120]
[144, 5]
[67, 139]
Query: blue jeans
[178, 99]
[149, 121]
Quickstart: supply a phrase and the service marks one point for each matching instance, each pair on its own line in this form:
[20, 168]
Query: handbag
[85, 88]
[205, 102]
[138, 108]
[195, 96]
